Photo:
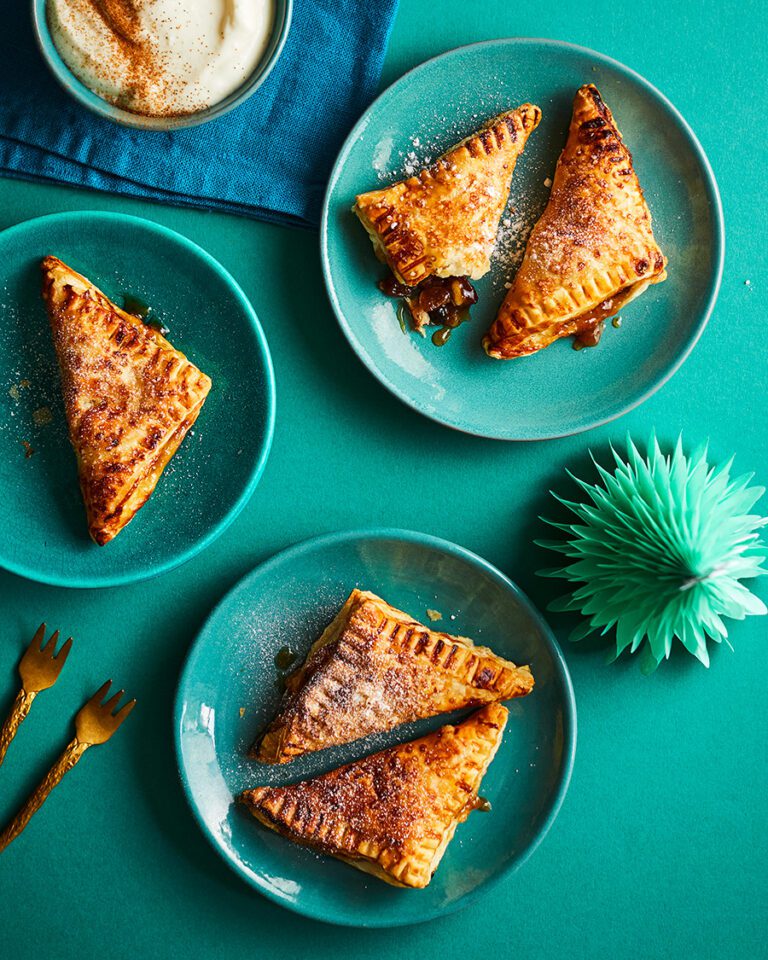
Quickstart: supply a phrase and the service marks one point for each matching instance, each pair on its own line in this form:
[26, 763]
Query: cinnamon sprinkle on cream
[161, 57]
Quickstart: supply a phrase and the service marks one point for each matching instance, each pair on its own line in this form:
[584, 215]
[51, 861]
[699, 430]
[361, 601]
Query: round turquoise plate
[558, 391]
[216, 468]
[229, 690]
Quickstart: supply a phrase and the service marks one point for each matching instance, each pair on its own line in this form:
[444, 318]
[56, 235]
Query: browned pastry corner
[129, 397]
[592, 250]
[443, 221]
[394, 813]
[374, 668]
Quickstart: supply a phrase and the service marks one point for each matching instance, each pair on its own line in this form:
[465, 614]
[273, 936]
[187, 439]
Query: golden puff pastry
[443, 221]
[129, 397]
[374, 668]
[394, 813]
[592, 250]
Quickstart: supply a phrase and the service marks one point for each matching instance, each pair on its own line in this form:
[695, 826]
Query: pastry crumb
[434, 615]
[14, 391]
[242, 711]
[42, 416]
[548, 182]
[28, 449]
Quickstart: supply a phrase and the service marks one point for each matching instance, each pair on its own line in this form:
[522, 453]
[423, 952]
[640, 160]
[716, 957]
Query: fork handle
[19, 710]
[66, 762]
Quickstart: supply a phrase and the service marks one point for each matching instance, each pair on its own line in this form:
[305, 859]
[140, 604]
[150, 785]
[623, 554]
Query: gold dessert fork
[95, 723]
[39, 669]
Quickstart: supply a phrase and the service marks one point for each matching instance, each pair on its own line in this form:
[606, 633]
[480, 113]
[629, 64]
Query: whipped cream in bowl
[161, 64]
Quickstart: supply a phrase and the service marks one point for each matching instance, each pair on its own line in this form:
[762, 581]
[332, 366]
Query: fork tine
[50, 645]
[113, 701]
[100, 694]
[123, 712]
[62, 655]
[38, 637]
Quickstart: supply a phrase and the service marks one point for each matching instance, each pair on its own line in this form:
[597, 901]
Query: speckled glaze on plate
[217, 466]
[558, 391]
[229, 690]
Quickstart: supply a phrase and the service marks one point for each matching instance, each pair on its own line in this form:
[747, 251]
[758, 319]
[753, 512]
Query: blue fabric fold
[269, 158]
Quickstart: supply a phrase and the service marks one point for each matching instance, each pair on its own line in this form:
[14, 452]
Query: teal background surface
[660, 848]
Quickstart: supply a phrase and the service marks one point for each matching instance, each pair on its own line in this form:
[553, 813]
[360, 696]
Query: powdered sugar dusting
[512, 236]
[28, 392]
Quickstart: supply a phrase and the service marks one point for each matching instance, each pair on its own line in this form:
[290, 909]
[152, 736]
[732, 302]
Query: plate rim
[713, 196]
[189, 246]
[570, 725]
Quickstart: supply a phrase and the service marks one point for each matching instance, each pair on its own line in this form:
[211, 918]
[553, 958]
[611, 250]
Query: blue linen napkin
[269, 158]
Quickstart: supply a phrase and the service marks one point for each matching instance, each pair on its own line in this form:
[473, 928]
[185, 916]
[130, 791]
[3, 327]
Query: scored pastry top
[129, 396]
[392, 813]
[374, 668]
[443, 220]
[593, 248]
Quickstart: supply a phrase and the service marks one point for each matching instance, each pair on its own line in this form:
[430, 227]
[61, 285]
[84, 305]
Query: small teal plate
[219, 463]
[229, 691]
[558, 391]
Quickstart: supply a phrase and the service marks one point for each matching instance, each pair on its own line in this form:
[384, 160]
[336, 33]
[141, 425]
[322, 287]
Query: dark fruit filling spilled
[391, 287]
[589, 335]
[442, 301]
[138, 308]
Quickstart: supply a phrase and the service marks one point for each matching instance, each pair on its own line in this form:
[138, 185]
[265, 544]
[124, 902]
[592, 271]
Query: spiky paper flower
[660, 552]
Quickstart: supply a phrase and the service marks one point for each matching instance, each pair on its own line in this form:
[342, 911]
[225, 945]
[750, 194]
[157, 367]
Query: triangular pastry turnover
[374, 668]
[444, 219]
[437, 229]
[394, 813]
[129, 397]
[592, 250]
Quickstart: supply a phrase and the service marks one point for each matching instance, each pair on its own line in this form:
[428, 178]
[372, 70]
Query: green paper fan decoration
[660, 552]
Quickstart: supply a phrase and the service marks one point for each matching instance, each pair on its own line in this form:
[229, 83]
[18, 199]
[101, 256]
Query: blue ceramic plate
[229, 691]
[216, 469]
[558, 391]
